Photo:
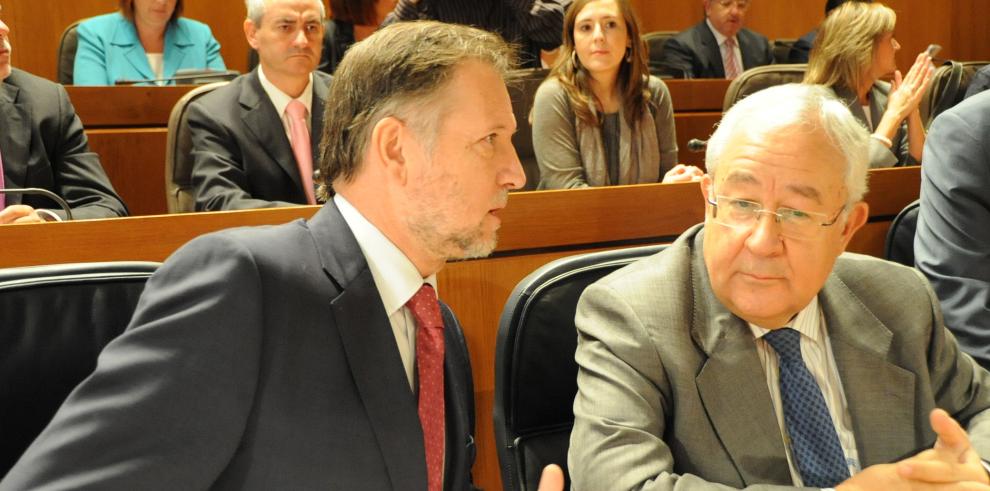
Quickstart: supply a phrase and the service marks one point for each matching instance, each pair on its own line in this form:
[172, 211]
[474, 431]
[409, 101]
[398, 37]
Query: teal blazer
[109, 50]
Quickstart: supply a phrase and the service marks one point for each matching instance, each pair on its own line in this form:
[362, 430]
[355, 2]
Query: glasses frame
[778, 216]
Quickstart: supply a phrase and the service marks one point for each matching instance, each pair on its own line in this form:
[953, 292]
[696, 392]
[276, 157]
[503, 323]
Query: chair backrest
[782, 49]
[535, 372]
[899, 246]
[54, 321]
[179, 194]
[948, 87]
[759, 78]
[654, 44]
[522, 91]
[66, 59]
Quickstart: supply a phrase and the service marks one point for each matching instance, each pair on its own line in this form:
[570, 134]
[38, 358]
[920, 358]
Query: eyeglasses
[742, 214]
[741, 4]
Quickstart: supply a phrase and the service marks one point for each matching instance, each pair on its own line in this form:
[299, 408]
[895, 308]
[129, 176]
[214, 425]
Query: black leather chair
[522, 90]
[179, 194]
[66, 59]
[654, 43]
[948, 87]
[782, 49]
[54, 321]
[535, 372]
[759, 78]
[899, 246]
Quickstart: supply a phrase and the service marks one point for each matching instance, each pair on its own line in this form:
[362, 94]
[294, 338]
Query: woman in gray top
[600, 119]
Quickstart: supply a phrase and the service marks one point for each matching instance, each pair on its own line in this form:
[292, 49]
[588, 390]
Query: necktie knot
[299, 139]
[786, 342]
[425, 307]
[296, 110]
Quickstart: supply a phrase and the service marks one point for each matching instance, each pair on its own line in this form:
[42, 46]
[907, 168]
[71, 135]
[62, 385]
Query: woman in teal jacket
[145, 40]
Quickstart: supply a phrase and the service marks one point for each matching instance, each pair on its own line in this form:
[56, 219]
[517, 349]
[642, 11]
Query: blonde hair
[847, 39]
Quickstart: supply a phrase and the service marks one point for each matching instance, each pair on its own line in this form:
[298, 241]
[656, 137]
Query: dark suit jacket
[695, 52]
[242, 156]
[258, 359]
[42, 145]
[801, 49]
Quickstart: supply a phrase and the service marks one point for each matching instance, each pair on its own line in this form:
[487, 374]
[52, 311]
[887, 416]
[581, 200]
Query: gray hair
[804, 107]
[256, 10]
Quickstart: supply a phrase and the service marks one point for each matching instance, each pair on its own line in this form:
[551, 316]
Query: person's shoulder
[194, 28]
[550, 90]
[32, 88]
[322, 77]
[669, 266]
[878, 281]
[656, 85]
[225, 97]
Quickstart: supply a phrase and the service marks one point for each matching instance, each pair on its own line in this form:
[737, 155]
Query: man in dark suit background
[718, 47]
[801, 49]
[245, 151]
[311, 355]
[42, 145]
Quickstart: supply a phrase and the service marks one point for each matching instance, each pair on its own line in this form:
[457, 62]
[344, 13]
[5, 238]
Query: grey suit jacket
[899, 153]
[242, 156]
[696, 54]
[43, 145]
[258, 359]
[952, 241]
[672, 395]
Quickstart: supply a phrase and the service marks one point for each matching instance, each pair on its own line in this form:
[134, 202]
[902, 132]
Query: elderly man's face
[4, 50]
[457, 190]
[290, 38]
[728, 16]
[761, 275]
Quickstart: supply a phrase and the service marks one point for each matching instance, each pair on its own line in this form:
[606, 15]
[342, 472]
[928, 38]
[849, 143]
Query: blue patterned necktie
[814, 442]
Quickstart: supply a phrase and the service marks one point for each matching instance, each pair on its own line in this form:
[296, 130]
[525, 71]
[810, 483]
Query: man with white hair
[255, 140]
[754, 352]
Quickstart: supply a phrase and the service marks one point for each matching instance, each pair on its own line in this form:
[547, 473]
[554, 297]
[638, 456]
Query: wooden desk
[537, 228]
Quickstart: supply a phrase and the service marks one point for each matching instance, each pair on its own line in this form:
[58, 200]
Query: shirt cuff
[48, 215]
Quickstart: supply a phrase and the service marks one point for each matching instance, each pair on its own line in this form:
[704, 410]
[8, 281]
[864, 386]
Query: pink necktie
[729, 59]
[301, 148]
[429, 365]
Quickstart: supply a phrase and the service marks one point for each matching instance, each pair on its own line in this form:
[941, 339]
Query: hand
[552, 478]
[19, 214]
[906, 92]
[683, 173]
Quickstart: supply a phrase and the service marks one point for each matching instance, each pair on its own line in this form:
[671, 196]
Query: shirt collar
[396, 278]
[805, 322]
[719, 37]
[280, 99]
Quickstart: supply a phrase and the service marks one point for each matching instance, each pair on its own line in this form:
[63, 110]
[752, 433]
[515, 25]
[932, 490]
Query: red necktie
[729, 59]
[429, 365]
[301, 148]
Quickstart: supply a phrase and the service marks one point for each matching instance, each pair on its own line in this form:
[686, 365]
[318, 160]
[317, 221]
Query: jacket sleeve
[555, 140]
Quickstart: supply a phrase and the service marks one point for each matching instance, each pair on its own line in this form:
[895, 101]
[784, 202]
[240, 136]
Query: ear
[250, 33]
[706, 183]
[386, 148]
[855, 219]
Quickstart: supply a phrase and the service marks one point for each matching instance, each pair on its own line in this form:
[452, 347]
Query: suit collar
[177, 45]
[710, 49]
[15, 137]
[369, 345]
[878, 101]
[262, 120]
[126, 39]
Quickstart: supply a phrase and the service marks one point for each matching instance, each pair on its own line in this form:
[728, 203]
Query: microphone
[42, 192]
[193, 76]
[696, 145]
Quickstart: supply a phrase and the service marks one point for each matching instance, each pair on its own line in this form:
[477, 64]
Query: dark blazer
[242, 157]
[695, 52]
[257, 359]
[43, 145]
[801, 49]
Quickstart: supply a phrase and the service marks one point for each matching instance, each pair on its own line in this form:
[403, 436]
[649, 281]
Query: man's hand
[552, 478]
[951, 464]
[19, 214]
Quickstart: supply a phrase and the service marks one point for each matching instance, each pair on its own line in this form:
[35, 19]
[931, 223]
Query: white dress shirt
[280, 100]
[396, 279]
[816, 349]
[720, 39]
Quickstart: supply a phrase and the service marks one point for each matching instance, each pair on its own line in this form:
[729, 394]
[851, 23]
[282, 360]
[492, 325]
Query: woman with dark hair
[855, 47]
[600, 119]
[350, 21]
[146, 39]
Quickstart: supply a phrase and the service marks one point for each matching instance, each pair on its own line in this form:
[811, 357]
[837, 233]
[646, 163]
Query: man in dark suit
[314, 355]
[42, 145]
[245, 152]
[718, 47]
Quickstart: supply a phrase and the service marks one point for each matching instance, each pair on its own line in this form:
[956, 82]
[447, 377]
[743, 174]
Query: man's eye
[743, 205]
[796, 215]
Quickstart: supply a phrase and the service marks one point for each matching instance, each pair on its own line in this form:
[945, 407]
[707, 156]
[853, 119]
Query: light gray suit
[672, 395]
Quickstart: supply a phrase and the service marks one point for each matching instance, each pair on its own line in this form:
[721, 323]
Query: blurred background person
[717, 47]
[802, 47]
[144, 40]
[854, 49]
[534, 25]
[600, 119]
[350, 21]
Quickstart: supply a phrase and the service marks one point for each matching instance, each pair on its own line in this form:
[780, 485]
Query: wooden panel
[134, 159]
[697, 95]
[131, 106]
[690, 126]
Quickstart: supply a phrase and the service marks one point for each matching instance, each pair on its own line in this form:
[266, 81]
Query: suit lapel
[733, 388]
[265, 123]
[371, 351]
[744, 41]
[126, 38]
[320, 90]
[711, 51]
[177, 40]
[15, 141]
[879, 395]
